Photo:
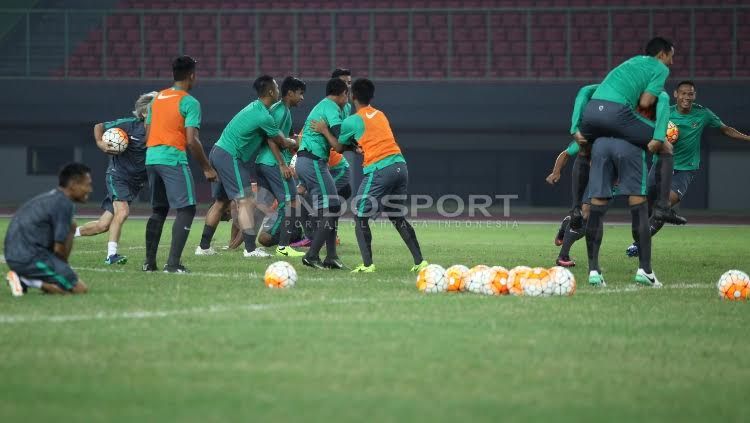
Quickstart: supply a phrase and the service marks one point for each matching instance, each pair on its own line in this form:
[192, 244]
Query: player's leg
[365, 206]
[319, 183]
[122, 211]
[96, 227]
[306, 220]
[601, 179]
[580, 180]
[284, 191]
[211, 222]
[397, 179]
[50, 274]
[180, 190]
[159, 211]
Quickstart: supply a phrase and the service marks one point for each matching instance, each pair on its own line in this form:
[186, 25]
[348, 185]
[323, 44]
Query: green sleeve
[148, 113]
[190, 109]
[352, 129]
[662, 117]
[582, 99]
[573, 149]
[332, 113]
[268, 125]
[713, 120]
[659, 78]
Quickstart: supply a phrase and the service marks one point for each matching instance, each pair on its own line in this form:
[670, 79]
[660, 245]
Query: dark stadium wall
[460, 138]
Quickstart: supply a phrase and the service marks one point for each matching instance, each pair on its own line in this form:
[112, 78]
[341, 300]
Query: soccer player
[337, 163]
[172, 126]
[40, 237]
[386, 175]
[691, 119]
[270, 175]
[126, 175]
[312, 169]
[611, 112]
[240, 140]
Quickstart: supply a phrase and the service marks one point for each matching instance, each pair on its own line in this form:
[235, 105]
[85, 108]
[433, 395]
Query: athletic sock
[664, 179]
[407, 233]
[364, 239]
[111, 248]
[655, 226]
[288, 225]
[31, 283]
[581, 168]
[594, 235]
[333, 222]
[207, 236]
[180, 233]
[570, 237]
[78, 231]
[642, 235]
[318, 239]
[154, 227]
[249, 237]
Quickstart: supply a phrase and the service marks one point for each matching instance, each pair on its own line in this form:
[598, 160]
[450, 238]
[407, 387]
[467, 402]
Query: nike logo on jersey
[164, 97]
[135, 139]
[371, 115]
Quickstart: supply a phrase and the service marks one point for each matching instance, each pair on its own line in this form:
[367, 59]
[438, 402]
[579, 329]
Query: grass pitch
[216, 345]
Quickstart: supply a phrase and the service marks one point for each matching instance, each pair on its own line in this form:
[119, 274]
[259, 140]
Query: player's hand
[580, 139]
[319, 126]
[667, 147]
[553, 178]
[286, 171]
[654, 146]
[290, 144]
[301, 190]
[359, 150]
[210, 174]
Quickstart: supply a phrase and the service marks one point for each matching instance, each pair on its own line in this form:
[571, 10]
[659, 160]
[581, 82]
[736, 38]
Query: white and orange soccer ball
[432, 279]
[478, 279]
[517, 278]
[280, 275]
[562, 280]
[456, 277]
[116, 138]
[499, 281]
[734, 285]
[673, 132]
[537, 283]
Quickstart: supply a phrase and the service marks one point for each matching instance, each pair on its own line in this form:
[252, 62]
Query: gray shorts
[120, 189]
[382, 190]
[233, 176]
[317, 179]
[341, 176]
[681, 180]
[49, 269]
[271, 179]
[615, 160]
[171, 186]
[607, 119]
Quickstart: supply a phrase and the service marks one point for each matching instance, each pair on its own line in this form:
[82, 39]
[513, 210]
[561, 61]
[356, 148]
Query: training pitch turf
[216, 345]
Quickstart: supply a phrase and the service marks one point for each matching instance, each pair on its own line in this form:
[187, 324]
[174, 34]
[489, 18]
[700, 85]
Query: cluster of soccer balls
[734, 285]
[497, 280]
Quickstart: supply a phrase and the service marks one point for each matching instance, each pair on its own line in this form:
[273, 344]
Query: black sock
[364, 239]
[409, 236]
[655, 226]
[664, 179]
[154, 227]
[581, 168]
[258, 216]
[180, 233]
[249, 236]
[319, 237]
[333, 221]
[288, 225]
[642, 235]
[570, 237]
[594, 235]
[207, 236]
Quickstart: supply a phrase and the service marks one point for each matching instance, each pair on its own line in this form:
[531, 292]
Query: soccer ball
[478, 279]
[562, 280]
[673, 132]
[516, 279]
[456, 276]
[537, 283]
[280, 275]
[116, 138]
[499, 281]
[734, 285]
[432, 279]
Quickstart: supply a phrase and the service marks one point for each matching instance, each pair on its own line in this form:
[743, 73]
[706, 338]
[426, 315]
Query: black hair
[363, 90]
[182, 67]
[658, 44]
[336, 86]
[263, 84]
[291, 83]
[341, 72]
[72, 171]
[686, 82]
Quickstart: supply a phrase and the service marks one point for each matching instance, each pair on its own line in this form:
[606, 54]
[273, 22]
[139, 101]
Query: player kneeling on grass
[386, 176]
[40, 237]
[126, 176]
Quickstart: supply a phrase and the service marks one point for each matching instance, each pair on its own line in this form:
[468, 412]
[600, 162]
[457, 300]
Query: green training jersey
[247, 131]
[582, 99]
[625, 83]
[687, 151]
[573, 149]
[314, 142]
[347, 109]
[283, 118]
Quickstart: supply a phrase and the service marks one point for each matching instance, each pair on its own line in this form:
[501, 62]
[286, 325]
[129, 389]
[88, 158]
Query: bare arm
[196, 150]
[733, 133]
[560, 162]
[98, 133]
[285, 170]
[647, 100]
[322, 128]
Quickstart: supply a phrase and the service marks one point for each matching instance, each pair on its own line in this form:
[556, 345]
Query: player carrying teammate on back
[386, 176]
